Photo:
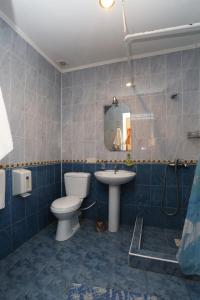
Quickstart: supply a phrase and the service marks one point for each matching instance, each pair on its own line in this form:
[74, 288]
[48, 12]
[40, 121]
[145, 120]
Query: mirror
[117, 127]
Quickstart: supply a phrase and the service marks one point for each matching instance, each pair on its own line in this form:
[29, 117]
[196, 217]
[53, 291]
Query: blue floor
[43, 269]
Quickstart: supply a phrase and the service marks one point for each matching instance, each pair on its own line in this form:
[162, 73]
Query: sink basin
[114, 180]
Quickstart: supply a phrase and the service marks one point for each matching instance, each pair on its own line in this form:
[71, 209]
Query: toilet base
[67, 228]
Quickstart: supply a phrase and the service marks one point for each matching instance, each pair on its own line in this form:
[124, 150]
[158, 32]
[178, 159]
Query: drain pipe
[91, 205]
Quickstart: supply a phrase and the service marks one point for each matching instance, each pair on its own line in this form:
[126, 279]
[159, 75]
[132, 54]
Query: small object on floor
[177, 242]
[80, 291]
[100, 226]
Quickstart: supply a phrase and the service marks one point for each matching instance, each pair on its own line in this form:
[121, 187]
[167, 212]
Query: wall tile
[31, 203]
[17, 155]
[190, 80]
[32, 225]
[5, 216]
[32, 57]
[43, 218]
[19, 46]
[142, 196]
[174, 82]
[19, 234]
[156, 196]
[143, 174]
[158, 64]
[173, 61]
[24, 217]
[23, 72]
[174, 106]
[66, 80]
[31, 89]
[188, 175]
[67, 96]
[157, 83]
[191, 103]
[6, 241]
[102, 73]
[190, 59]
[186, 190]
[142, 66]
[158, 105]
[157, 174]
[171, 200]
[159, 149]
[18, 209]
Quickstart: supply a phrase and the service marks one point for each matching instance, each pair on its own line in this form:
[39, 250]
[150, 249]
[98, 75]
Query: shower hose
[170, 211]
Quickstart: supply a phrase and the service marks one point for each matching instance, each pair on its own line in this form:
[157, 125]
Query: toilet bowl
[66, 209]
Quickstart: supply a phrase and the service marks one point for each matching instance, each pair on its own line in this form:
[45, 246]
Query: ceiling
[81, 33]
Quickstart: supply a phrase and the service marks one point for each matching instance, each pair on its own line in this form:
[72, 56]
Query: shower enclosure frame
[163, 33]
[145, 259]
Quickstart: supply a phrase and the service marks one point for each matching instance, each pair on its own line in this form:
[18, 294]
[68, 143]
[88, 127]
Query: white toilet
[65, 209]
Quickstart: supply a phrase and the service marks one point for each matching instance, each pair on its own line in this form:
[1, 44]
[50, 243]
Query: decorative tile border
[33, 163]
[188, 162]
[48, 162]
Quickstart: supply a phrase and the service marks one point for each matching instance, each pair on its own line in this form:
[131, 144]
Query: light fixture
[106, 4]
[115, 101]
[129, 84]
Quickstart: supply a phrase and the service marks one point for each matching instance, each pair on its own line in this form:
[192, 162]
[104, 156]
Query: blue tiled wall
[142, 196]
[24, 217]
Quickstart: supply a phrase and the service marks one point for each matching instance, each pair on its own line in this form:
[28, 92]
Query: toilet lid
[67, 204]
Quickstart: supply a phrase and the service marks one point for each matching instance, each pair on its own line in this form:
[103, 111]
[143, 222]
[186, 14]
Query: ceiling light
[106, 4]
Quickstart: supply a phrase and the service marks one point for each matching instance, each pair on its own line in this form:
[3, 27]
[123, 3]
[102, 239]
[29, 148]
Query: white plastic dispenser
[2, 188]
[22, 182]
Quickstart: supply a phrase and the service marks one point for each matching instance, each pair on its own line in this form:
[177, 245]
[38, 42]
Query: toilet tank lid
[77, 174]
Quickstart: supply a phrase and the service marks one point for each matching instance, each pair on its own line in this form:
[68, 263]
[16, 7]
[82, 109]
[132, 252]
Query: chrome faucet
[115, 169]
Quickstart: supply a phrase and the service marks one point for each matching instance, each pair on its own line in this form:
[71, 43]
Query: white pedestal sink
[114, 179]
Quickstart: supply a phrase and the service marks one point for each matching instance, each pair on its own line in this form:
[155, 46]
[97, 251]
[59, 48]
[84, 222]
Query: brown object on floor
[100, 226]
[177, 242]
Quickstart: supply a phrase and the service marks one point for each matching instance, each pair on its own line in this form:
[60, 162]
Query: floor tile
[43, 268]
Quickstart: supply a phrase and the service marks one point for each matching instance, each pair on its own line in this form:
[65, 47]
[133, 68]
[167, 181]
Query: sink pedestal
[114, 208]
[114, 179]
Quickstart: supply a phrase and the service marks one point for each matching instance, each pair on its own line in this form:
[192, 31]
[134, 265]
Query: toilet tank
[77, 184]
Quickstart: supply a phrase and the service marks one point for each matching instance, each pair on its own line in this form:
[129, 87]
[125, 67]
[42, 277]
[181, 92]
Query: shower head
[174, 96]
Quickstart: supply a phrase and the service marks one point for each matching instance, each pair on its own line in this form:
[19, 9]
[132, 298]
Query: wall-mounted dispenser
[2, 188]
[22, 182]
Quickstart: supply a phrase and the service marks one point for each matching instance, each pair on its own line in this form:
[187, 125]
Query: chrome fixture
[115, 101]
[115, 168]
[167, 210]
[193, 134]
[174, 96]
[178, 163]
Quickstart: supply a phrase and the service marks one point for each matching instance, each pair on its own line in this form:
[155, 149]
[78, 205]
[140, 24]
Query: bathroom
[67, 74]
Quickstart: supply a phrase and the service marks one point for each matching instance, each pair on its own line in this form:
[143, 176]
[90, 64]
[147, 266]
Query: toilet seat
[66, 204]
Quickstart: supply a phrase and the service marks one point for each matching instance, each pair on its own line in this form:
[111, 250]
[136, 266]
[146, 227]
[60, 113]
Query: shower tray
[154, 249]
